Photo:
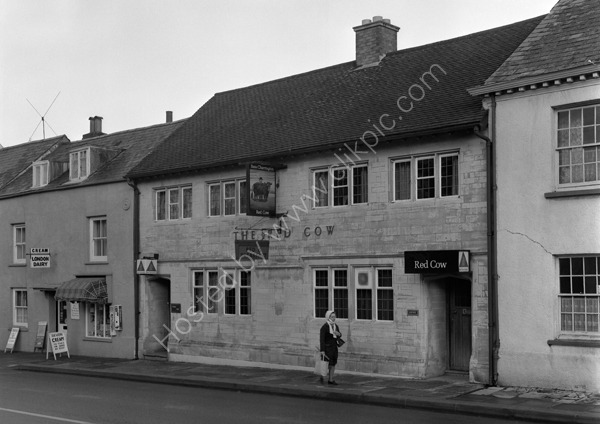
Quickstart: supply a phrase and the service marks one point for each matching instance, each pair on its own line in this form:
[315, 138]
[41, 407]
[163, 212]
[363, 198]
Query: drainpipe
[494, 335]
[136, 249]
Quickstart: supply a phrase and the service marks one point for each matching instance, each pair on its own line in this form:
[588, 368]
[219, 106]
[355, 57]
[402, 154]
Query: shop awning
[83, 289]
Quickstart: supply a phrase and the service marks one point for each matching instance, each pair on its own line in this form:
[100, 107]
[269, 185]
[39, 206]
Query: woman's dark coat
[329, 343]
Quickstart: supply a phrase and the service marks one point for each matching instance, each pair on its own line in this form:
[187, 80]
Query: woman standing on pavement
[330, 333]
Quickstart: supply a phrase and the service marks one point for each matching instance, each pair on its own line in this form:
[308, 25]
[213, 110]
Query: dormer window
[40, 174]
[79, 165]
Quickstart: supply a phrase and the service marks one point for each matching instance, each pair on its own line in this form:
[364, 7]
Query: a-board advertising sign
[41, 335]
[12, 339]
[58, 344]
[39, 257]
[260, 190]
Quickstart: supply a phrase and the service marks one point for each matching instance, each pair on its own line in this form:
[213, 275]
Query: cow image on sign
[58, 343]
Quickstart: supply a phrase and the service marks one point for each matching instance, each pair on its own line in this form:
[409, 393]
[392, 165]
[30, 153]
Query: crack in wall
[528, 238]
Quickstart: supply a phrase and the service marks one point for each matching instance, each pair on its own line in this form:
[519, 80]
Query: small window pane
[588, 116]
[575, 118]
[215, 200]
[563, 119]
[402, 180]
[161, 211]
[360, 185]
[321, 188]
[187, 202]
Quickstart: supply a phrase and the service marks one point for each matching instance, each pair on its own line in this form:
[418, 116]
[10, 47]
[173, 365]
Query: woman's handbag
[321, 365]
[340, 342]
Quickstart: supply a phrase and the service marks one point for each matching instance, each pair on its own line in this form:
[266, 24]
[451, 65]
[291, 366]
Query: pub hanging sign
[436, 261]
[261, 190]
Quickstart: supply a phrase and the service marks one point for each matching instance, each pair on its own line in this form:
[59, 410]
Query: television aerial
[43, 120]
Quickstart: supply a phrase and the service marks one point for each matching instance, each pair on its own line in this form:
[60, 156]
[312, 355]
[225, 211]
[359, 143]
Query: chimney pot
[169, 116]
[377, 18]
[95, 127]
[366, 21]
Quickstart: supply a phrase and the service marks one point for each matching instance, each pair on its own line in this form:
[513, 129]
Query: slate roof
[567, 38]
[16, 159]
[126, 149]
[316, 110]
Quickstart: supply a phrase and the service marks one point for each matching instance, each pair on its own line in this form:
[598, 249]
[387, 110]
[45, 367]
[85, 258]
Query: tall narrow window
[402, 180]
[385, 295]
[199, 292]
[98, 239]
[214, 200]
[40, 174]
[173, 203]
[187, 202]
[229, 198]
[243, 197]
[20, 314]
[364, 293]
[213, 295]
[449, 175]
[321, 287]
[161, 205]
[245, 292]
[19, 246]
[321, 188]
[340, 186]
[425, 178]
[340, 292]
[229, 287]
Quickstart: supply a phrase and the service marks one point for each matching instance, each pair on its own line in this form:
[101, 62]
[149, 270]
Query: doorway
[158, 318]
[459, 310]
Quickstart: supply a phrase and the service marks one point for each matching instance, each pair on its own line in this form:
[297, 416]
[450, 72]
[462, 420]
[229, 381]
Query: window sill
[18, 265]
[574, 343]
[572, 193]
[97, 339]
[96, 263]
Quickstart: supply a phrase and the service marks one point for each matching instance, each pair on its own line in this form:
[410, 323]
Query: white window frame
[414, 177]
[93, 331]
[98, 238]
[40, 173]
[19, 244]
[183, 205]
[586, 151]
[348, 171]
[583, 303]
[79, 169]
[221, 185]
[16, 308]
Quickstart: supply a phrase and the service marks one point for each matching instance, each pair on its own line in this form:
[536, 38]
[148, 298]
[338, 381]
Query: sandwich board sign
[58, 344]
[41, 335]
[12, 339]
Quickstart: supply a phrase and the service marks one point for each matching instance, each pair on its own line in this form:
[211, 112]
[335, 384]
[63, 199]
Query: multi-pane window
[79, 165]
[19, 249]
[425, 177]
[173, 203]
[341, 186]
[331, 291]
[379, 304]
[578, 145]
[579, 278]
[20, 315]
[40, 174]
[98, 239]
[227, 198]
[210, 287]
[97, 320]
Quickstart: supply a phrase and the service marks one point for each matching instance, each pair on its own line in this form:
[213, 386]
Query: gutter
[136, 249]
[494, 335]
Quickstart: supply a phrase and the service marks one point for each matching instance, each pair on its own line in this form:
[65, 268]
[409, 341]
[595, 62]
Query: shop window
[226, 198]
[97, 320]
[579, 277]
[340, 186]
[173, 203]
[578, 146]
[233, 288]
[19, 246]
[425, 177]
[20, 313]
[331, 292]
[98, 239]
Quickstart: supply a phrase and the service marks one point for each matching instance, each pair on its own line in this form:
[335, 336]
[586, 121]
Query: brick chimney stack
[95, 127]
[374, 39]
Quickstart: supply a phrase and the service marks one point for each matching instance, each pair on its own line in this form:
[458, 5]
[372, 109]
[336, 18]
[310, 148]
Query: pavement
[448, 393]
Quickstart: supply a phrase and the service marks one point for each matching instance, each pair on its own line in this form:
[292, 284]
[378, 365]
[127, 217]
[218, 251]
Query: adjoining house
[68, 221]
[544, 106]
[373, 202]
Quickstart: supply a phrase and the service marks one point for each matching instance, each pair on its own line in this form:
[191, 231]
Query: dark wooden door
[460, 324]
